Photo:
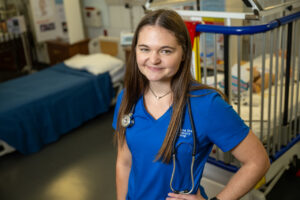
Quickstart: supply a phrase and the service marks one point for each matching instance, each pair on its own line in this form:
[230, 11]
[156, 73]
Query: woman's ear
[183, 57]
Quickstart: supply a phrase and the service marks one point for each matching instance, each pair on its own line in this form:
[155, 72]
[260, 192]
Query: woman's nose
[155, 57]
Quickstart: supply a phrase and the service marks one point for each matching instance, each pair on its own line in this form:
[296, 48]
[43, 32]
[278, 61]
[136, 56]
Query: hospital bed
[273, 113]
[39, 108]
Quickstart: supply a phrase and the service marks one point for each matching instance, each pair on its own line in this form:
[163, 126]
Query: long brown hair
[136, 83]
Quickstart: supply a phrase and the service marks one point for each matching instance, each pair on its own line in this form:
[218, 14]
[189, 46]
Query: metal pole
[283, 47]
[292, 73]
[270, 94]
[296, 126]
[239, 73]
[287, 77]
[275, 131]
[262, 88]
[227, 71]
[251, 81]
[215, 60]
[205, 61]
[26, 51]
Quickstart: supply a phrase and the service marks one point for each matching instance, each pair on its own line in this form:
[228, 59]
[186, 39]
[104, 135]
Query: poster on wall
[45, 20]
[61, 19]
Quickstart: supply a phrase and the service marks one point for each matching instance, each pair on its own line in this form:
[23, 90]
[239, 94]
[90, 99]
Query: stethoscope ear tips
[127, 120]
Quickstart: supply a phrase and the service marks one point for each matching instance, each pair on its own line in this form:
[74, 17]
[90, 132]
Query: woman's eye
[144, 49]
[166, 51]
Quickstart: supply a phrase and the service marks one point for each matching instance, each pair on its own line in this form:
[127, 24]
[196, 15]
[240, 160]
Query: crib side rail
[275, 47]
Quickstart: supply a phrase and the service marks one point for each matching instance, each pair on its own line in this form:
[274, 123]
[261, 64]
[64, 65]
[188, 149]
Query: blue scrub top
[215, 122]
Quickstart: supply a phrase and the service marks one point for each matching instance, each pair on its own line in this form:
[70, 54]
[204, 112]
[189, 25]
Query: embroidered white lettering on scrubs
[185, 133]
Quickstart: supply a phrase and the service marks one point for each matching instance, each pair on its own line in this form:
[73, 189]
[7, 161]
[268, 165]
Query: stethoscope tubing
[131, 122]
[193, 153]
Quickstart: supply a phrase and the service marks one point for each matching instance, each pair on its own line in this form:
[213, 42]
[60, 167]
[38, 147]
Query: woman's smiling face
[158, 53]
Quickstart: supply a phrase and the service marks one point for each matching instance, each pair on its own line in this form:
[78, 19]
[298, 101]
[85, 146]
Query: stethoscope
[128, 121]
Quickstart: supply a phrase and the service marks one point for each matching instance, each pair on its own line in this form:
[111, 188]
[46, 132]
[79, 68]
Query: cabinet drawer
[59, 51]
[7, 60]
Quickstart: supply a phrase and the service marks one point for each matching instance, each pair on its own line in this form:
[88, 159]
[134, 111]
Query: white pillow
[76, 62]
[95, 63]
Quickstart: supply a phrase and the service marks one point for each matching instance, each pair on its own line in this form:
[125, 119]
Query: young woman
[163, 116]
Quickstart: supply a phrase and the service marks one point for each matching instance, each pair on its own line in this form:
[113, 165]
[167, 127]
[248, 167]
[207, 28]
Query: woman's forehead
[156, 34]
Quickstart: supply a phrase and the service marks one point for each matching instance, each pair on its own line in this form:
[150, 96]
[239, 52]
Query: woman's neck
[158, 98]
[160, 88]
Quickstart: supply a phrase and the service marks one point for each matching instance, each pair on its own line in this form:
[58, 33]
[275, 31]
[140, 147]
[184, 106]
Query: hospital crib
[268, 52]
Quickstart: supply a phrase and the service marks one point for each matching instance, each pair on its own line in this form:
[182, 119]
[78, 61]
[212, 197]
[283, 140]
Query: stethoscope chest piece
[127, 120]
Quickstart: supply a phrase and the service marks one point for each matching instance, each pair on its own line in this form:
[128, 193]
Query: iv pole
[24, 38]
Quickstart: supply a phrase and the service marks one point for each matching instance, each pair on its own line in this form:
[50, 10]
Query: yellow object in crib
[260, 183]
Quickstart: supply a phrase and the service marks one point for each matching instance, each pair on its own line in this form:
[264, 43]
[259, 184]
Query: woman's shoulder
[204, 97]
[200, 90]
[120, 97]
[121, 93]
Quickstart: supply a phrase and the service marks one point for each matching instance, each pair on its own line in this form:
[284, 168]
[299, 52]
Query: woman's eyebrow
[142, 45]
[162, 47]
[169, 47]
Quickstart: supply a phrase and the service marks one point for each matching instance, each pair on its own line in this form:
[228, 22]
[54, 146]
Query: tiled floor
[81, 166]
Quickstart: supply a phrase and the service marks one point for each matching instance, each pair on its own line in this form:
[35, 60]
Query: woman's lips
[154, 68]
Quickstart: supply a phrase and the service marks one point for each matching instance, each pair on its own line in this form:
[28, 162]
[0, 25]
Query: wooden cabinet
[127, 50]
[59, 50]
[12, 55]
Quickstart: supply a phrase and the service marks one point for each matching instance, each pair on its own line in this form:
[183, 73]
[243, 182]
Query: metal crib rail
[246, 30]
[281, 35]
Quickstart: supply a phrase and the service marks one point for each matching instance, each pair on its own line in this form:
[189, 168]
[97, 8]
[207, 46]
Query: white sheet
[98, 63]
[256, 110]
[256, 107]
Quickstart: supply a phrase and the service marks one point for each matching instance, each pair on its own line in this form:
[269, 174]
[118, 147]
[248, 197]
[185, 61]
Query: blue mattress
[37, 109]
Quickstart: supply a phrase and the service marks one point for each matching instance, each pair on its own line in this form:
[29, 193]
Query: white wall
[74, 21]
[116, 18]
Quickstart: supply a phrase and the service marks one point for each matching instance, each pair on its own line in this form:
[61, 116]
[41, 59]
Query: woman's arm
[255, 163]
[123, 167]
